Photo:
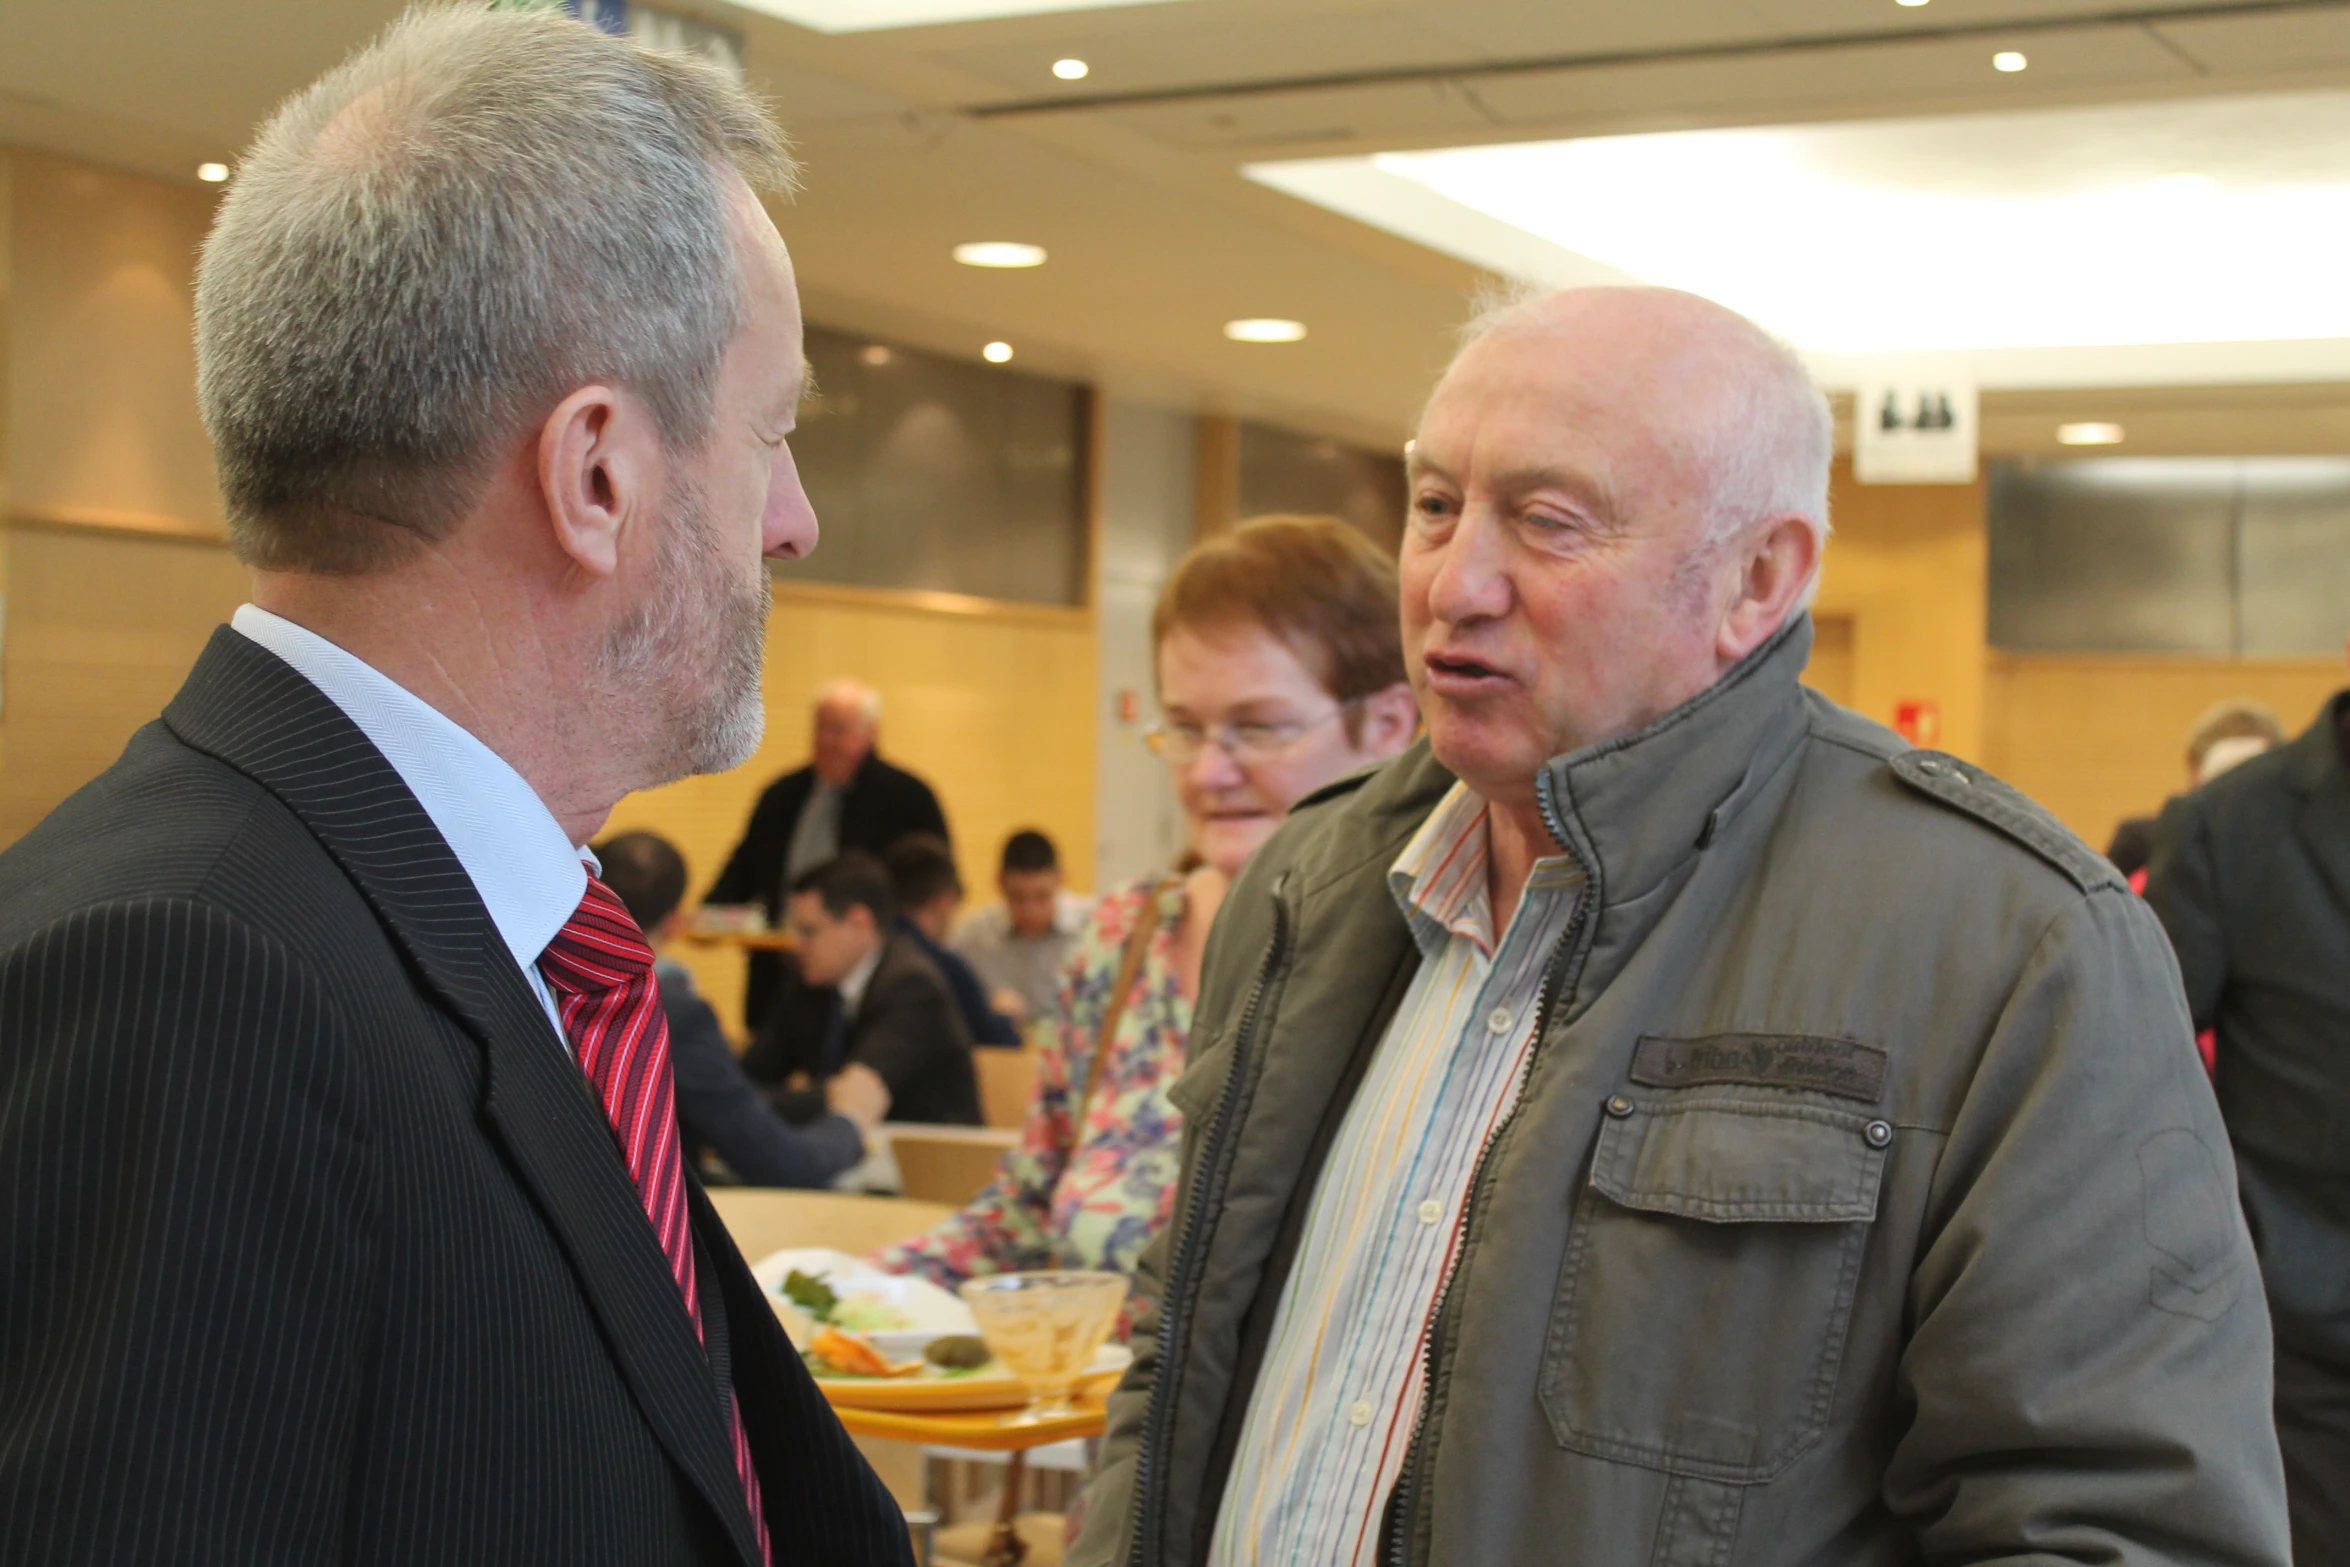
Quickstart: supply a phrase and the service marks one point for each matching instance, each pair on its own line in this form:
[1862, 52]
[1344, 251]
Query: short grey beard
[701, 705]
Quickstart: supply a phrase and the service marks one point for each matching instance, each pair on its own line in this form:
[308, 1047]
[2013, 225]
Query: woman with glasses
[1280, 669]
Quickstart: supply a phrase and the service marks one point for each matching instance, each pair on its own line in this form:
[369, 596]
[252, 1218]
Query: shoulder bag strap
[1130, 961]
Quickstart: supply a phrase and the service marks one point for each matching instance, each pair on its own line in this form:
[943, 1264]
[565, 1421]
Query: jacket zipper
[1175, 1309]
[1398, 1552]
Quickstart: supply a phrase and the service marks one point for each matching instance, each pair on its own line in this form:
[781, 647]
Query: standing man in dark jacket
[2251, 877]
[341, 1212]
[847, 797]
[1663, 1119]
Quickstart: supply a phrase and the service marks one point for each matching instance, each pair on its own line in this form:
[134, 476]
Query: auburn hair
[1314, 583]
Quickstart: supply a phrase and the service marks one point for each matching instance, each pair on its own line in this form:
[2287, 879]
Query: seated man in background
[719, 1108]
[2226, 734]
[1017, 946]
[923, 878]
[861, 999]
[847, 797]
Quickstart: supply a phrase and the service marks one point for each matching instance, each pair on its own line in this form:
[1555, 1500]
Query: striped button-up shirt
[1339, 1393]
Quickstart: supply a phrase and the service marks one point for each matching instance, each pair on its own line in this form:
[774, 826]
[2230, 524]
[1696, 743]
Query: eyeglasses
[1182, 743]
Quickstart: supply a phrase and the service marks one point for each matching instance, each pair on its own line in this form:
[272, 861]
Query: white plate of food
[896, 1314]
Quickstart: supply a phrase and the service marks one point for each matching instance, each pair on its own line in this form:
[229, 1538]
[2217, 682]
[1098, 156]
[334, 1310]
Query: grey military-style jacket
[1864, 1202]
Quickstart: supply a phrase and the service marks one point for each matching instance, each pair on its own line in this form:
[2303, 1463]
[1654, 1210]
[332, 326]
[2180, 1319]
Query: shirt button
[1878, 1133]
[1620, 1107]
[1360, 1414]
[1500, 1020]
[1431, 1211]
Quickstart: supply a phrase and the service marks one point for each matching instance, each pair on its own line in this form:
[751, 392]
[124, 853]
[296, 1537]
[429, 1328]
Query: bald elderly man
[1662, 1118]
[847, 797]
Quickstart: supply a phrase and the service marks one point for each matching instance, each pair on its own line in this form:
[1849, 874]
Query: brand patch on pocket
[1842, 1067]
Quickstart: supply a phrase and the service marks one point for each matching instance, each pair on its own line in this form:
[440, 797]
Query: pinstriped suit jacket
[314, 1243]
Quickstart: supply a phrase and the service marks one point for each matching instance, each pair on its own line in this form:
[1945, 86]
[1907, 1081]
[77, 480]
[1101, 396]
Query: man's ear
[599, 452]
[1390, 719]
[1775, 565]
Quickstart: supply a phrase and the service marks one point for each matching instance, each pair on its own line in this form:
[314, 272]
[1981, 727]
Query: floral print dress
[1091, 1196]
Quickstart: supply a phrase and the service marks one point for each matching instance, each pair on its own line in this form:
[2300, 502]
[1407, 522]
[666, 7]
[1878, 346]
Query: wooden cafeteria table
[987, 1430]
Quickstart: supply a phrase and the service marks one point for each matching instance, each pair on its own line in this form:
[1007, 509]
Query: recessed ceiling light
[874, 354]
[2185, 184]
[1071, 70]
[2009, 60]
[996, 353]
[2089, 434]
[1909, 2]
[999, 253]
[212, 173]
[1264, 329]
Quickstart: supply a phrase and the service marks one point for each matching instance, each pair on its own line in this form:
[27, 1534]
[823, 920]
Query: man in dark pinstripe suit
[341, 1218]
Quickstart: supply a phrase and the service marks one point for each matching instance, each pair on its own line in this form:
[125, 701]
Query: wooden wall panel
[996, 708]
[2099, 737]
[101, 369]
[1908, 567]
[102, 628]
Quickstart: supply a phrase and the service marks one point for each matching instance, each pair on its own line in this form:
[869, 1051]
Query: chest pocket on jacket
[1708, 1281]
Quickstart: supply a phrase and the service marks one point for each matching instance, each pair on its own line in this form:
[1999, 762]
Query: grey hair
[437, 241]
[1774, 436]
[863, 697]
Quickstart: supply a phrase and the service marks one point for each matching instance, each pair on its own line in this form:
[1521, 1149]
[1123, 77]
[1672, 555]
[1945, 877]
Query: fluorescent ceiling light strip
[2222, 222]
[868, 16]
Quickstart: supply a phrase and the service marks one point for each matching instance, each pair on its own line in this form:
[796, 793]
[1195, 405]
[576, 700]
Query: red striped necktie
[602, 974]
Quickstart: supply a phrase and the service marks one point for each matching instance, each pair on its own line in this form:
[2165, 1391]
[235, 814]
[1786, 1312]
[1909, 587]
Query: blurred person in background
[1279, 671]
[929, 889]
[2251, 878]
[344, 1219]
[847, 797]
[861, 1005]
[719, 1109]
[1017, 946]
[2227, 733]
[1664, 1117]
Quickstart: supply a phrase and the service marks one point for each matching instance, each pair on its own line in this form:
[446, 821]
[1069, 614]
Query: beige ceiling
[916, 139]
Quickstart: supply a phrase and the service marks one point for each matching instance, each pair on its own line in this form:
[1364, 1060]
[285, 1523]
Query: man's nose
[1472, 579]
[787, 530]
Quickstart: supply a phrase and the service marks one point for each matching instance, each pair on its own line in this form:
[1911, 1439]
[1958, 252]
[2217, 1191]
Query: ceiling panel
[1528, 29]
[809, 98]
[1255, 49]
[201, 70]
[2246, 44]
[1306, 119]
[1883, 74]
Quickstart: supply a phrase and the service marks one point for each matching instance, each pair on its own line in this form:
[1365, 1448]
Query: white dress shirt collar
[853, 983]
[529, 874]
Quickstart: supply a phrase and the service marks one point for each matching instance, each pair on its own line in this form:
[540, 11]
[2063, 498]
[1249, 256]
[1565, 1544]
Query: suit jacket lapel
[247, 707]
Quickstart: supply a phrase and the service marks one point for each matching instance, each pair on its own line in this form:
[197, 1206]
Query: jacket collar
[1631, 810]
[247, 707]
[1637, 808]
